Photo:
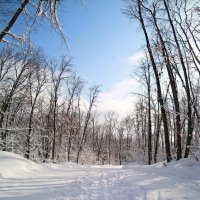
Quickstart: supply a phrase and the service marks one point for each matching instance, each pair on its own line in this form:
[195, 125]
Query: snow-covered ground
[21, 179]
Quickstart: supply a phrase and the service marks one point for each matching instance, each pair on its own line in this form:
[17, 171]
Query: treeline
[41, 115]
[44, 117]
[170, 74]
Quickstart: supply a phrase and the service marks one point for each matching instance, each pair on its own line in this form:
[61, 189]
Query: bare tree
[74, 96]
[135, 10]
[35, 88]
[42, 11]
[58, 75]
[94, 91]
[187, 87]
[110, 122]
[17, 68]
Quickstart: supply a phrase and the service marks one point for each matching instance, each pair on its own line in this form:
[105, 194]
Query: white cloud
[135, 58]
[119, 98]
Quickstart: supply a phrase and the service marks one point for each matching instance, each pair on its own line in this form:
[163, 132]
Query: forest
[44, 117]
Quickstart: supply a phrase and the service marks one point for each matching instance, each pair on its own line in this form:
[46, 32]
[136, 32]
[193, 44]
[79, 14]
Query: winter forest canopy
[44, 117]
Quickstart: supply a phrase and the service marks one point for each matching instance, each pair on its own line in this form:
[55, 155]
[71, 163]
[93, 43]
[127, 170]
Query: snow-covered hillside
[21, 179]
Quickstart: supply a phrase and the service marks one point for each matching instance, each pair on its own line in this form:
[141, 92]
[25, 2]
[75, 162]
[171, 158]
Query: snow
[21, 179]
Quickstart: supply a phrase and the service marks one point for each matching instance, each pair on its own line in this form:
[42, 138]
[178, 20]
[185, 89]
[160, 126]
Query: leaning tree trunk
[159, 91]
[173, 88]
[187, 87]
[13, 19]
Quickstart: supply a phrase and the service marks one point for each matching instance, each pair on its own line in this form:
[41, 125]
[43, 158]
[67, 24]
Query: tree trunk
[187, 88]
[159, 91]
[13, 19]
[173, 87]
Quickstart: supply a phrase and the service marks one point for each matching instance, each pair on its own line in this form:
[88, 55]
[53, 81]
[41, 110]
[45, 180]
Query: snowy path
[21, 179]
[97, 183]
[74, 183]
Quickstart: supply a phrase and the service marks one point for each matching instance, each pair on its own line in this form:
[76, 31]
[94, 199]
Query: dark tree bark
[158, 125]
[57, 79]
[149, 117]
[172, 83]
[160, 98]
[13, 19]
[94, 91]
[187, 88]
[40, 83]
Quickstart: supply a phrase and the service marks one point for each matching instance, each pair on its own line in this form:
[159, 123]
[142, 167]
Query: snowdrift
[13, 165]
[21, 179]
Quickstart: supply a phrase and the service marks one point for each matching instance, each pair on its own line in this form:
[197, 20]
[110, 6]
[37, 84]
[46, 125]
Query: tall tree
[94, 91]
[35, 88]
[134, 10]
[167, 62]
[58, 73]
[187, 86]
[41, 11]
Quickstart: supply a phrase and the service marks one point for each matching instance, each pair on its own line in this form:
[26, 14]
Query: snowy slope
[21, 179]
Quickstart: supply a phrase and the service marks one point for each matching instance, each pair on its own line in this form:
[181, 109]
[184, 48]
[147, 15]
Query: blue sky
[104, 44]
[100, 40]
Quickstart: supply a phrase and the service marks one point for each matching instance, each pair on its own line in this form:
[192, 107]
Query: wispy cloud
[135, 58]
[119, 98]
